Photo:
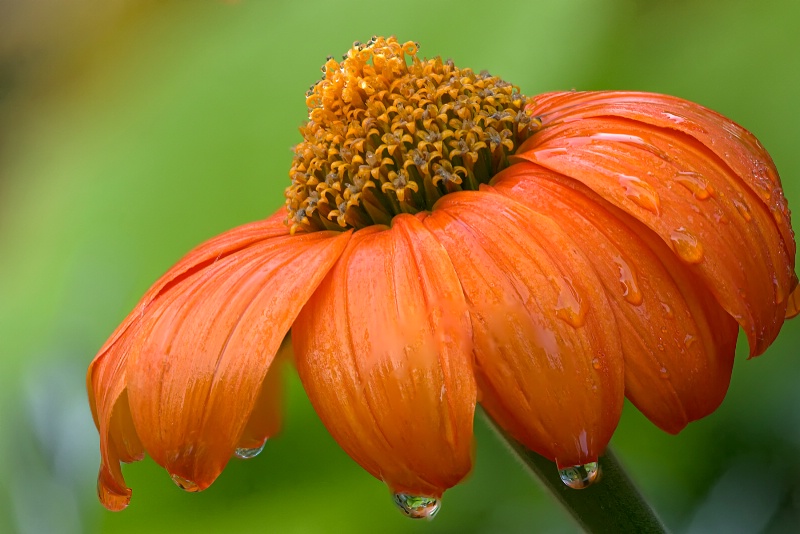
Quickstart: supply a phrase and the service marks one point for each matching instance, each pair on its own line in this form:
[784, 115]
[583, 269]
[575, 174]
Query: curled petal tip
[793, 303]
[111, 496]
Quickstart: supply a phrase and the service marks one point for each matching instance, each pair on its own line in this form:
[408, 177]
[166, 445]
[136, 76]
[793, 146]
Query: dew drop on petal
[596, 363]
[695, 183]
[580, 476]
[569, 307]
[641, 193]
[417, 507]
[677, 119]
[246, 454]
[664, 373]
[185, 484]
[779, 294]
[667, 310]
[689, 340]
[628, 281]
[687, 246]
[619, 138]
[743, 210]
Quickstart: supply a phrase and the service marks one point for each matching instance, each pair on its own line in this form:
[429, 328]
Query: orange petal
[196, 368]
[384, 351]
[678, 343]
[547, 351]
[696, 179]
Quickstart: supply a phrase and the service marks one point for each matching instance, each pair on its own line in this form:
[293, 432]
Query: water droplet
[596, 363]
[641, 193]
[569, 307]
[664, 372]
[667, 310]
[695, 183]
[677, 119]
[185, 484]
[689, 340]
[627, 279]
[580, 476]
[620, 138]
[246, 454]
[633, 140]
[417, 507]
[663, 329]
[720, 217]
[743, 209]
[661, 347]
[687, 246]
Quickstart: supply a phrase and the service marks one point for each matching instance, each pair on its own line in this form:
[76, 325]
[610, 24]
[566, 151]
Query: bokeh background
[132, 130]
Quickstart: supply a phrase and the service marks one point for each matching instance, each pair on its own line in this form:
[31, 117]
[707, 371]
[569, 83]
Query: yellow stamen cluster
[388, 133]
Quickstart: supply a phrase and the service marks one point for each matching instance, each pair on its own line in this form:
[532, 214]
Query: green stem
[611, 505]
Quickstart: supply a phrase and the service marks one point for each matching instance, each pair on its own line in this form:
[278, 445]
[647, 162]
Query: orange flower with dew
[446, 241]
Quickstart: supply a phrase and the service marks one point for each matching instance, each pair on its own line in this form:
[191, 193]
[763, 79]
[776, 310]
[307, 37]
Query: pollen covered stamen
[389, 133]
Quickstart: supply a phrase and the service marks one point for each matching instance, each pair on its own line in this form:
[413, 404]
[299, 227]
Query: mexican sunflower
[447, 240]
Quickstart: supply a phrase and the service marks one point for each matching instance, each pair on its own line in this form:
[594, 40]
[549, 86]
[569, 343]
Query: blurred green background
[132, 130]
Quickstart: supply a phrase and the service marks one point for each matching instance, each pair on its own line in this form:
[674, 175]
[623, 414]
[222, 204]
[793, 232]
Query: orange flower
[450, 241]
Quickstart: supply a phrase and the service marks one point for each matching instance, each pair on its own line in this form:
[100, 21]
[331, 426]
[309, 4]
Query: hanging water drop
[185, 484]
[246, 454]
[580, 476]
[417, 507]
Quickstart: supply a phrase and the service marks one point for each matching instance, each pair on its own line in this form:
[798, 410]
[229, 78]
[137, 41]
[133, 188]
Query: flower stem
[612, 505]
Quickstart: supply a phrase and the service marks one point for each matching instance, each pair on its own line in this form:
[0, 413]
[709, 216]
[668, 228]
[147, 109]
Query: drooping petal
[701, 182]
[678, 343]
[196, 367]
[385, 354]
[107, 375]
[548, 356]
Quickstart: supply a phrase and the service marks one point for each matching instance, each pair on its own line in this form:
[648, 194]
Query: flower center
[388, 133]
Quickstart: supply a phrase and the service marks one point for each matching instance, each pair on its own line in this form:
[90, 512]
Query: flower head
[450, 241]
